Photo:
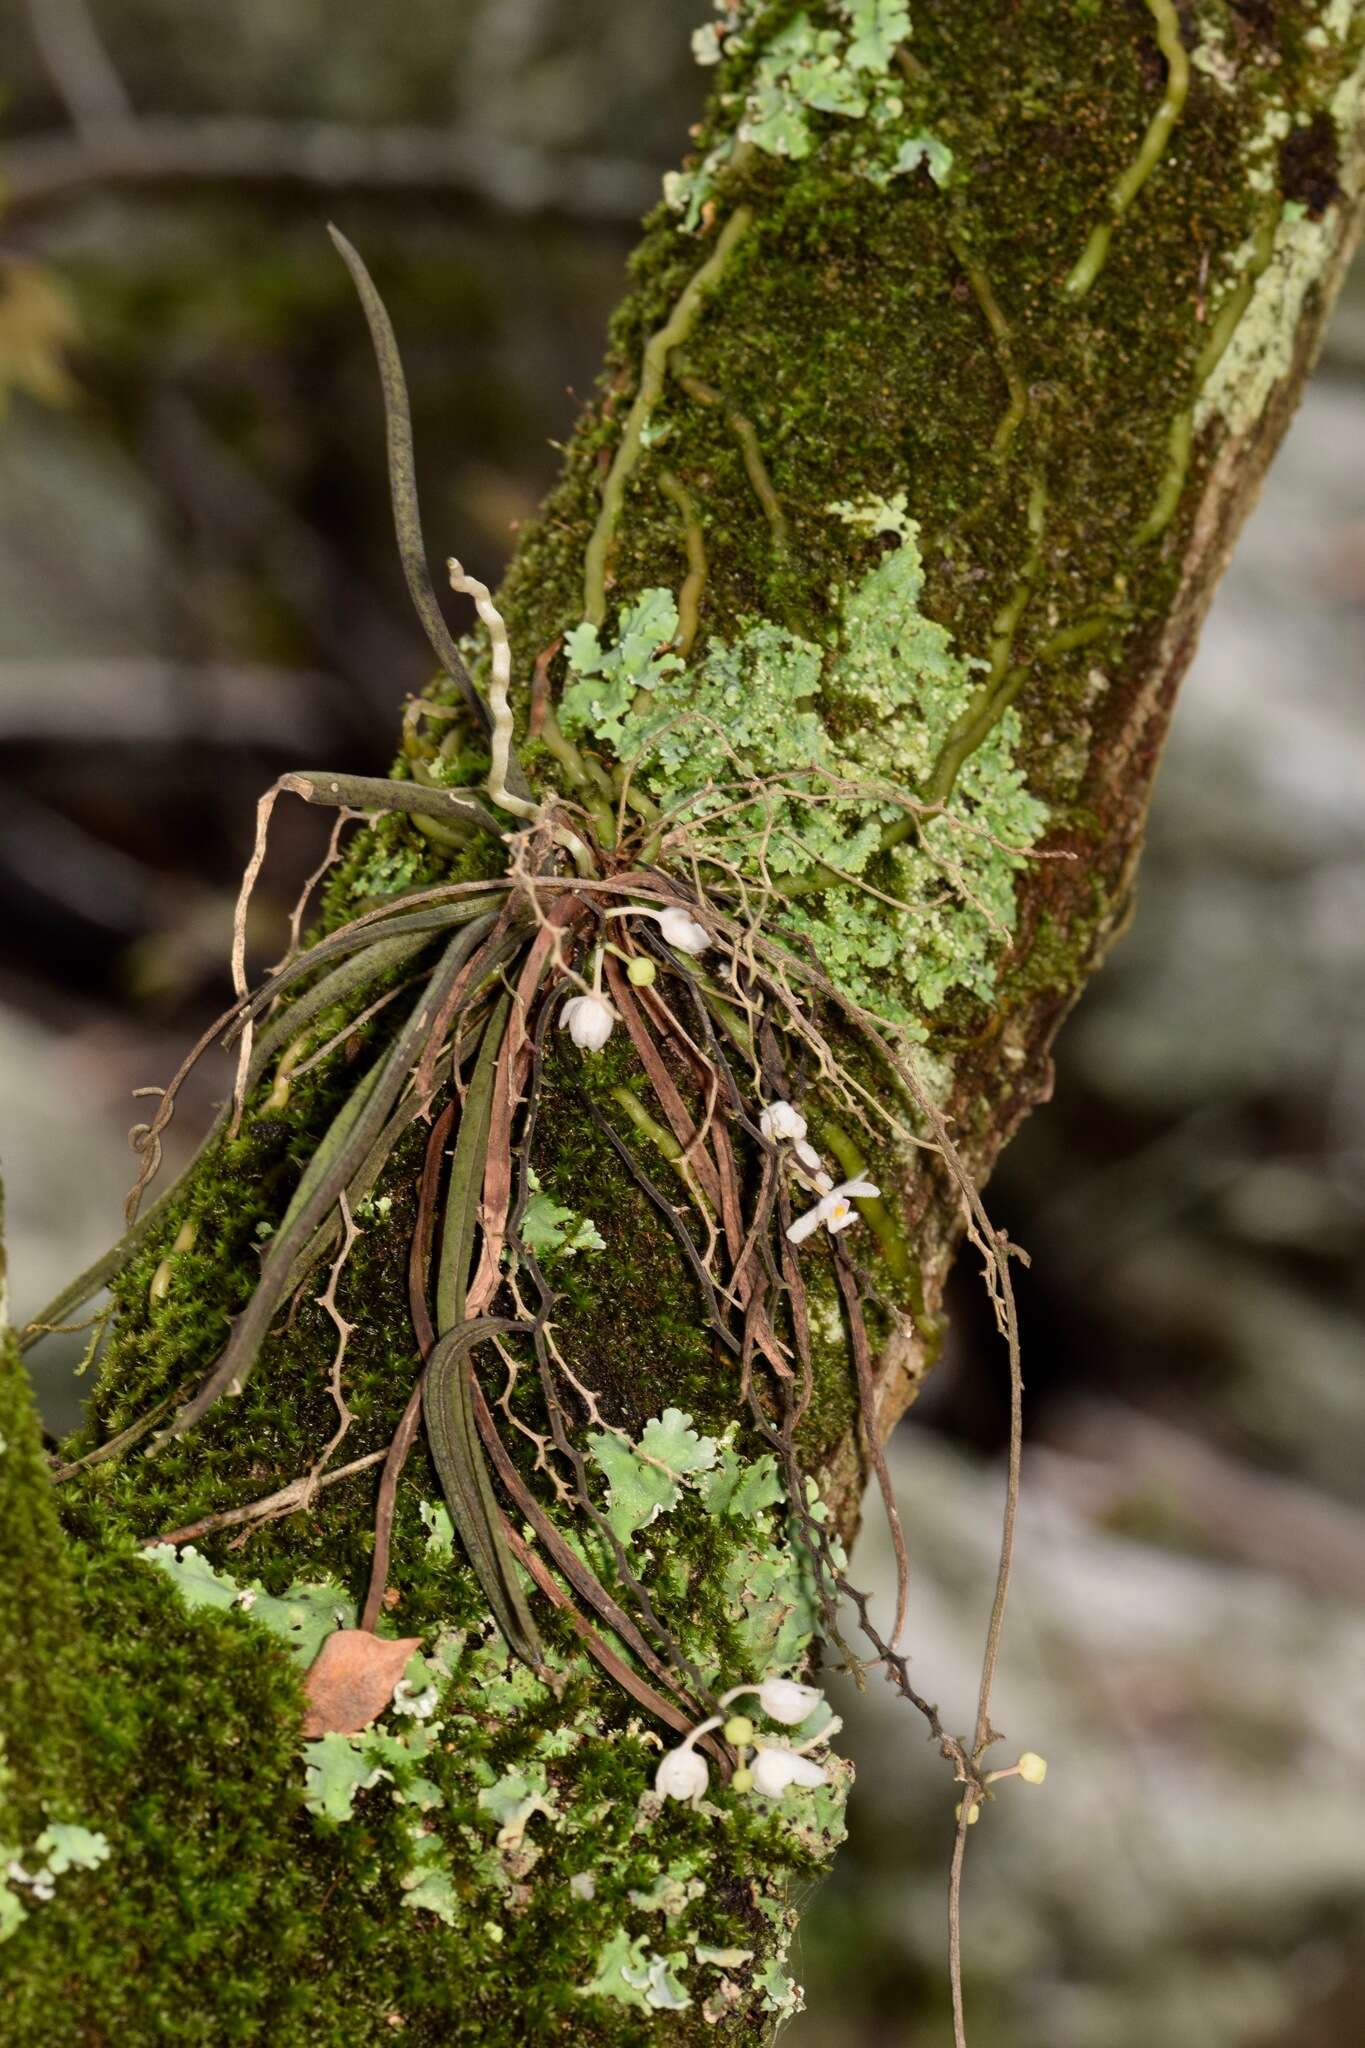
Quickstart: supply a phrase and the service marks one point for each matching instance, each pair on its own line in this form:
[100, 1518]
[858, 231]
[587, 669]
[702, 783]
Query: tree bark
[943, 384]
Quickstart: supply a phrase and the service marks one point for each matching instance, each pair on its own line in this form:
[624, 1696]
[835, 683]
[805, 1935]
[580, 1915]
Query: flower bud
[743, 1780]
[738, 1730]
[1032, 1767]
[682, 1774]
[782, 1699]
[641, 972]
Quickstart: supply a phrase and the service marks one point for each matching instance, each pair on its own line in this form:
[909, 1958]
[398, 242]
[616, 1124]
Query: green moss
[42, 1769]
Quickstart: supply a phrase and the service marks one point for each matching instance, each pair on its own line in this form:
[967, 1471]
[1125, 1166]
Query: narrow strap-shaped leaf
[580, 1577]
[466, 1175]
[447, 1410]
[615, 1666]
[358, 972]
[379, 793]
[361, 1126]
[496, 955]
[358, 938]
[385, 955]
[407, 518]
[322, 1164]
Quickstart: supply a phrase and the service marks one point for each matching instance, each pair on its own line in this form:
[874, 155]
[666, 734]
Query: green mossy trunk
[1074, 463]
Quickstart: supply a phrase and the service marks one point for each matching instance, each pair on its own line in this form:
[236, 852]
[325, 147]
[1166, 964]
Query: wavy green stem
[990, 702]
[653, 370]
[744, 431]
[1180, 444]
[1004, 348]
[689, 597]
[874, 1211]
[1091, 261]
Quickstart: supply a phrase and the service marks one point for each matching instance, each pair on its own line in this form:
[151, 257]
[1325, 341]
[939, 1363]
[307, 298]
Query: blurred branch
[64, 864]
[45, 171]
[78, 64]
[141, 699]
[1104, 1458]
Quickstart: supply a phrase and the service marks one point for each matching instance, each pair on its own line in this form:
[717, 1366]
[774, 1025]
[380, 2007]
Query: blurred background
[198, 590]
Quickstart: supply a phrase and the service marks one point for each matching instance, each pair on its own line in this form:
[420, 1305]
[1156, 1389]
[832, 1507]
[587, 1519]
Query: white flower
[834, 1209]
[774, 1769]
[780, 1120]
[682, 1774]
[682, 932]
[782, 1699]
[588, 1020]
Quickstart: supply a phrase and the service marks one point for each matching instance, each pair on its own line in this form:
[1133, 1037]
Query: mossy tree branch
[948, 522]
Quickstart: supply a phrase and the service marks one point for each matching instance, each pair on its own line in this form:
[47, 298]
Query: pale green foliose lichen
[1261, 351]
[829, 741]
[848, 71]
[28, 1876]
[551, 1230]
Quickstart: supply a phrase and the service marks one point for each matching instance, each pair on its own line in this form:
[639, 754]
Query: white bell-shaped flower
[834, 1209]
[589, 1021]
[774, 1769]
[682, 931]
[782, 1699]
[682, 1774]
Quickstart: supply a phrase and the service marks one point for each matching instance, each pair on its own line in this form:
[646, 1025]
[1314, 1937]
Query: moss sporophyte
[514, 1351]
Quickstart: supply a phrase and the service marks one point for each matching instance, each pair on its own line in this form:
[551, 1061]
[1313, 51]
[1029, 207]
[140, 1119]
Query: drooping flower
[834, 1209]
[773, 1770]
[682, 1774]
[781, 1120]
[589, 1021]
[682, 931]
[782, 1699]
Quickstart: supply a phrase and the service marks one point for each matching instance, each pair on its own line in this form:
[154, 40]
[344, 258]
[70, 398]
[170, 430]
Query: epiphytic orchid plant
[576, 924]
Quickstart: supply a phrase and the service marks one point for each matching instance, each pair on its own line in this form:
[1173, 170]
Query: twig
[287, 1501]
[79, 66]
[343, 818]
[345, 1331]
[329, 156]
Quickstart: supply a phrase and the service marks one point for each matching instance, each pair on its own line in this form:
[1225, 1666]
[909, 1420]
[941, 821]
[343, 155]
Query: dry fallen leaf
[351, 1680]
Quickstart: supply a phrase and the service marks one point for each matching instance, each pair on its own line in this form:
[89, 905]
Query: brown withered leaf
[351, 1680]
